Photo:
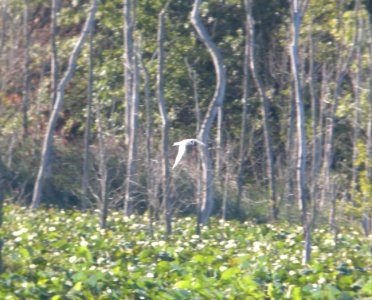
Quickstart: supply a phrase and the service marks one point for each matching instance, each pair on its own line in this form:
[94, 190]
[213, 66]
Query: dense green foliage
[61, 254]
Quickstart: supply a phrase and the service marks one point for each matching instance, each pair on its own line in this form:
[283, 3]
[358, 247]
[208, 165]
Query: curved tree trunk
[48, 139]
[217, 101]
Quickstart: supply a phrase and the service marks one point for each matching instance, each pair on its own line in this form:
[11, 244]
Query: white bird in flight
[182, 148]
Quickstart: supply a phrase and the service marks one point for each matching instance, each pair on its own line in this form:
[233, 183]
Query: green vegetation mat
[57, 254]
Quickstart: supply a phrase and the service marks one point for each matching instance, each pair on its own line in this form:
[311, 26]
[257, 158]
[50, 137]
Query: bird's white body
[182, 148]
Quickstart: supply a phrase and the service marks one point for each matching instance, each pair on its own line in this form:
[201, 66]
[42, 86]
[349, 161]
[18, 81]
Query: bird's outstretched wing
[181, 152]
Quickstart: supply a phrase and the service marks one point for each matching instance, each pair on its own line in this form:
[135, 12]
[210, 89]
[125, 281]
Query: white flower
[292, 273]
[322, 280]
[150, 275]
[256, 246]
[84, 243]
[52, 228]
[223, 268]
[19, 232]
[72, 259]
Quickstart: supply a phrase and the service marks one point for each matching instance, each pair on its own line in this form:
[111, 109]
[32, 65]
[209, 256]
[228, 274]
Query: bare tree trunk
[301, 133]
[194, 79]
[54, 58]
[367, 217]
[314, 121]
[357, 87]
[131, 99]
[102, 162]
[217, 100]
[48, 139]
[88, 122]
[131, 177]
[152, 199]
[165, 124]
[26, 68]
[128, 66]
[270, 173]
[243, 127]
[219, 144]
[291, 150]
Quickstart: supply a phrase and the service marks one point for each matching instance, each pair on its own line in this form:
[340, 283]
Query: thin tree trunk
[194, 79]
[152, 201]
[291, 150]
[133, 143]
[243, 127]
[367, 217]
[54, 57]
[217, 101]
[219, 144]
[88, 122]
[357, 87]
[270, 173]
[102, 166]
[301, 133]
[131, 100]
[48, 139]
[26, 68]
[128, 67]
[165, 123]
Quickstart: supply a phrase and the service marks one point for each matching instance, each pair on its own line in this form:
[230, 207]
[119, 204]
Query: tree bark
[151, 196]
[270, 173]
[26, 68]
[165, 124]
[131, 177]
[131, 85]
[301, 133]
[54, 56]
[357, 87]
[243, 127]
[128, 66]
[217, 101]
[48, 139]
[102, 168]
[88, 123]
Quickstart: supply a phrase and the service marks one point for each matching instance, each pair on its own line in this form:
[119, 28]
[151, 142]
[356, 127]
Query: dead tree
[217, 101]
[48, 139]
